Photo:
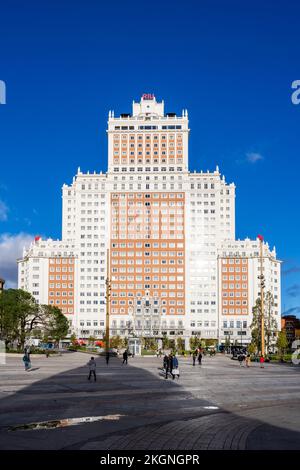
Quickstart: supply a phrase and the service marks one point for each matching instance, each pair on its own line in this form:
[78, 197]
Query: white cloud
[3, 211]
[253, 157]
[11, 248]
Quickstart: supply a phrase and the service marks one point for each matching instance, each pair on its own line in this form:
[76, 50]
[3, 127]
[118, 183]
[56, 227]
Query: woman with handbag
[175, 367]
[27, 363]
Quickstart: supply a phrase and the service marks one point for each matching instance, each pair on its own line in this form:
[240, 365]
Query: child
[262, 360]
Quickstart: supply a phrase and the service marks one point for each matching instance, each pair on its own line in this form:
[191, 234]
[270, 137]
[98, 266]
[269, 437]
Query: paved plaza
[214, 406]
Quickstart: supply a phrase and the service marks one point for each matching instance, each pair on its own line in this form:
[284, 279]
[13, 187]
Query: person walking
[166, 365]
[194, 357]
[175, 367]
[92, 368]
[262, 361]
[27, 352]
[200, 358]
[107, 358]
[240, 359]
[248, 360]
[125, 357]
[170, 364]
[27, 363]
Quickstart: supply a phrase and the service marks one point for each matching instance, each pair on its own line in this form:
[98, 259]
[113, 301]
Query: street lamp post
[108, 289]
[241, 334]
[262, 285]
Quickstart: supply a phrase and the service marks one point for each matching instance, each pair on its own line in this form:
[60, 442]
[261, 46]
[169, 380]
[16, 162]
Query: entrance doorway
[134, 346]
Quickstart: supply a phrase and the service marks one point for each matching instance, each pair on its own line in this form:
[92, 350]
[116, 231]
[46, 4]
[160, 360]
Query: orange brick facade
[61, 284]
[234, 286]
[147, 251]
[149, 148]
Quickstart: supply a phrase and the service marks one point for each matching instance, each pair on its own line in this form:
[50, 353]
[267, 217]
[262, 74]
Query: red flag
[260, 237]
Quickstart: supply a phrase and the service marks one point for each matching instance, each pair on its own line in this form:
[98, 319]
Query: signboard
[148, 96]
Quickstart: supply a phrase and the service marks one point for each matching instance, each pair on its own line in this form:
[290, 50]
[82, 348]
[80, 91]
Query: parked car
[237, 350]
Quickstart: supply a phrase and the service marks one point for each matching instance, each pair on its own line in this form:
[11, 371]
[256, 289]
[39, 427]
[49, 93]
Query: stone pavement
[214, 406]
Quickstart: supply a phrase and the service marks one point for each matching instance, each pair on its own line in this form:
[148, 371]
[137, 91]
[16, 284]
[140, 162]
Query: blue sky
[231, 64]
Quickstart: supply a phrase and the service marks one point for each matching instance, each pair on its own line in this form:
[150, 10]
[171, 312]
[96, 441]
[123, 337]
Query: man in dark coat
[171, 363]
[200, 358]
[125, 357]
[194, 357]
[166, 365]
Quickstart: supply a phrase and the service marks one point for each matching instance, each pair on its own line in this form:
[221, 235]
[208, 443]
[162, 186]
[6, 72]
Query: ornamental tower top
[148, 138]
[147, 107]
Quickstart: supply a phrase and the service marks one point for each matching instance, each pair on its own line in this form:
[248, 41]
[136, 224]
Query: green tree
[7, 320]
[211, 342]
[150, 344]
[165, 342]
[116, 342]
[38, 333]
[180, 343]
[54, 323]
[227, 344]
[73, 339]
[282, 343]
[252, 348]
[91, 340]
[19, 316]
[270, 324]
[256, 325]
[195, 341]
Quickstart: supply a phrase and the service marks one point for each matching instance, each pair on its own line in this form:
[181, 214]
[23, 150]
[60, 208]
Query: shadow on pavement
[135, 409]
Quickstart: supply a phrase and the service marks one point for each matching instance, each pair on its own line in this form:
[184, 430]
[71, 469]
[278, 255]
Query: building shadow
[135, 409]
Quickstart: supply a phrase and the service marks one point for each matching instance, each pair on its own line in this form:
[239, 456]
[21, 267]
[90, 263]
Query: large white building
[167, 231]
